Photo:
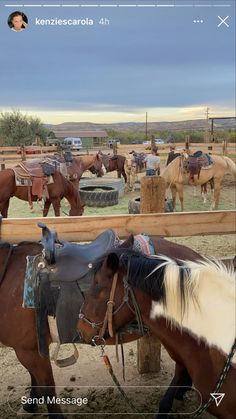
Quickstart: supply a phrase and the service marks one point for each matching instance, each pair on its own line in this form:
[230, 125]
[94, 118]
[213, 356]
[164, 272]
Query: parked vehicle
[159, 141]
[110, 143]
[73, 143]
[137, 142]
[53, 141]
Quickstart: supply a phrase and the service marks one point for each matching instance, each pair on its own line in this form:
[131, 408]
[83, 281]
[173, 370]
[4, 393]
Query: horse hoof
[24, 413]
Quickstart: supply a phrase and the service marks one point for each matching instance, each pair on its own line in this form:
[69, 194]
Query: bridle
[108, 319]
[107, 322]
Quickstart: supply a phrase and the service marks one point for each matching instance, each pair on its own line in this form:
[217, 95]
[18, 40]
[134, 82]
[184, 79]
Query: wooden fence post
[23, 153]
[224, 147]
[187, 143]
[114, 147]
[152, 200]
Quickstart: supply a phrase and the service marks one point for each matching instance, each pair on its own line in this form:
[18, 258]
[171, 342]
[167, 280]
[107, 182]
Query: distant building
[89, 138]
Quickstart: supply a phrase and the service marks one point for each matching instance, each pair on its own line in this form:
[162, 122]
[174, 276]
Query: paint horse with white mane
[176, 177]
[189, 306]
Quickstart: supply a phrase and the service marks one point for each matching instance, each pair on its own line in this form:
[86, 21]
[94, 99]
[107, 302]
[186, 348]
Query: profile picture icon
[17, 21]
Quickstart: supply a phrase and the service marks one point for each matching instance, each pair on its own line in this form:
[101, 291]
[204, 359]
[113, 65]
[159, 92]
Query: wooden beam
[152, 196]
[152, 200]
[87, 228]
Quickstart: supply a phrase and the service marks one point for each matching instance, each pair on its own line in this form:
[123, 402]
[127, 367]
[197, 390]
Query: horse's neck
[174, 171]
[88, 161]
[70, 192]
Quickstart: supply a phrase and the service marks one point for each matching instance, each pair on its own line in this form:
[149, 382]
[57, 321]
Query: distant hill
[196, 124]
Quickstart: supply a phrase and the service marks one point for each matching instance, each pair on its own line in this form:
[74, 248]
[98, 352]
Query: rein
[107, 322]
[219, 382]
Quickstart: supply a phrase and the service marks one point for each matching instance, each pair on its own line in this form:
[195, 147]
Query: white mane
[210, 312]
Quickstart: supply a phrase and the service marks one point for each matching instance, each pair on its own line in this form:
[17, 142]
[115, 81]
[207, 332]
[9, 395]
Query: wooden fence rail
[38, 149]
[87, 228]
[214, 148]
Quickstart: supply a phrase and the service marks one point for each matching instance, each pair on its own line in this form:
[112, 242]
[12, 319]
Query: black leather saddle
[63, 276]
[70, 260]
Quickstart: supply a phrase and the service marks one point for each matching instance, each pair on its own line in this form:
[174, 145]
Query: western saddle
[36, 173]
[195, 162]
[62, 275]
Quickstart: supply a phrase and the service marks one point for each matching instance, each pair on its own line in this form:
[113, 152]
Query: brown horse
[190, 308]
[112, 163]
[17, 324]
[73, 167]
[60, 188]
[82, 163]
[176, 177]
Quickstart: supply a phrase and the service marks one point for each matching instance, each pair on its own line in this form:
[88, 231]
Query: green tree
[17, 128]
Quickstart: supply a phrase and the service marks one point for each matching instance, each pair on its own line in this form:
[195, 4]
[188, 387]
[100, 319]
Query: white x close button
[223, 21]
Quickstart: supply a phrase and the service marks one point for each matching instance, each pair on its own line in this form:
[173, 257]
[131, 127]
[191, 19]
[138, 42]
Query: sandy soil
[89, 378]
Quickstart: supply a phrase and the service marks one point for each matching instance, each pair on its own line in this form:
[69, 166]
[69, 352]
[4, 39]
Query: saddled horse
[112, 163]
[73, 167]
[92, 163]
[176, 176]
[60, 188]
[139, 160]
[134, 164]
[18, 324]
[189, 306]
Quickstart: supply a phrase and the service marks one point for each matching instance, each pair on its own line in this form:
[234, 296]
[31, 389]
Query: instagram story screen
[151, 78]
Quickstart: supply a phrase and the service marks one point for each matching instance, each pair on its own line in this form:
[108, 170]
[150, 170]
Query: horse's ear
[98, 157]
[111, 262]
[129, 242]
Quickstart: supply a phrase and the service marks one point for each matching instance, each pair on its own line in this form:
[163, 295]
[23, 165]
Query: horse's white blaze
[210, 313]
[103, 169]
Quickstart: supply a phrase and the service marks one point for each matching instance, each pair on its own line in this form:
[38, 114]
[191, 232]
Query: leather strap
[109, 312]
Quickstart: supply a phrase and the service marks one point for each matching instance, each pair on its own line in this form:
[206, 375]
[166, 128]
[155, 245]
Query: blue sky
[147, 59]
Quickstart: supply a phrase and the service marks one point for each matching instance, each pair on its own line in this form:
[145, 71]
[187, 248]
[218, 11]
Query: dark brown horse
[17, 324]
[60, 188]
[112, 163]
[190, 308]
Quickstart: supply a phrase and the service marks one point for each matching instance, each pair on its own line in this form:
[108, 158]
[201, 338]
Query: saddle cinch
[61, 275]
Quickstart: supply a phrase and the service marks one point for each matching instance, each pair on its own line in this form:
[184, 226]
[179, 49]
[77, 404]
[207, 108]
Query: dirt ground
[91, 372]
[89, 378]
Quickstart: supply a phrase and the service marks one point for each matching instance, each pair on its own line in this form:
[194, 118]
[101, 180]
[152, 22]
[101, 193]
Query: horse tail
[231, 166]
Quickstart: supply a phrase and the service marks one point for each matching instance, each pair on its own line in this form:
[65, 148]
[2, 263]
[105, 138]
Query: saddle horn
[49, 240]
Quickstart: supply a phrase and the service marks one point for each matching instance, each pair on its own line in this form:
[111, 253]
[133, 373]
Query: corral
[210, 233]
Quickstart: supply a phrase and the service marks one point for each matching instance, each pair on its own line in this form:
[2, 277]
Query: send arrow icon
[218, 397]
